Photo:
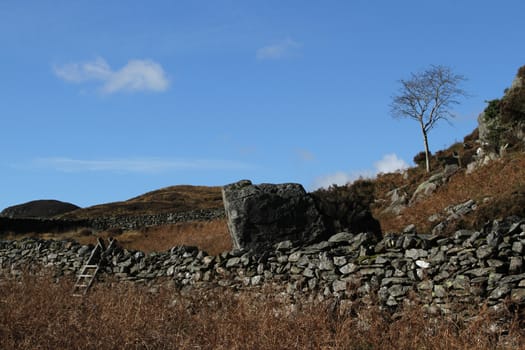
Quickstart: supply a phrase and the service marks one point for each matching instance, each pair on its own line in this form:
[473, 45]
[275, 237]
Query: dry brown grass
[36, 313]
[495, 183]
[211, 236]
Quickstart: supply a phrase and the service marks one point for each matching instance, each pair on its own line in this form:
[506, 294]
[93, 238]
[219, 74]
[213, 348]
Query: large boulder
[262, 215]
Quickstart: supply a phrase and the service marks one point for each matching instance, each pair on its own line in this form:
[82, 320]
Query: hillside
[471, 183]
[44, 208]
[180, 198]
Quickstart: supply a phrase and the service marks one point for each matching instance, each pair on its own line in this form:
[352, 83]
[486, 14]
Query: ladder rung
[92, 266]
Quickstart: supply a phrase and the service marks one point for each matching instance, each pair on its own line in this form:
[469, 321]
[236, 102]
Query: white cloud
[134, 165]
[339, 178]
[282, 49]
[81, 72]
[388, 164]
[136, 75]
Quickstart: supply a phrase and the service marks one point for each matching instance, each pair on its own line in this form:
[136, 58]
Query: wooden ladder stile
[89, 271]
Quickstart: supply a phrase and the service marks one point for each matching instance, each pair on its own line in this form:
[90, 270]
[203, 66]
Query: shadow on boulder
[347, 208]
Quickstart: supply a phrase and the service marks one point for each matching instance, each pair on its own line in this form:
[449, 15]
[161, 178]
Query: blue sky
[105, 100]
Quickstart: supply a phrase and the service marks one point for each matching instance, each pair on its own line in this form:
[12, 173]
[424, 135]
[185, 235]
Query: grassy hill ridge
[180, 198]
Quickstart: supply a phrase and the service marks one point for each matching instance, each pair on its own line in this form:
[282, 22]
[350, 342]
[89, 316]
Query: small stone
[312, 283]
[284, 245]
[341, 237]
[308, 273]
[423, 264]
[494, 239]
[256, 280]
[295, 256]
[517, 247]
[515, 265]
[410, 229]
[348, 268]
[425, 285]
[515, 228]
[340, 261]
[339, 286]
[282, 259]
[461, 282]
[386, 282]
[381, 260]
[326, 265]
[391, 301]
[260, 268]
[438, 258]
[232, 262]
[500, 292]
[439, 291]
[83, 250]
[461, 235]
[382, 293]
[518, 295]
[295, 270]
[207, 260]
[484, 252]
[512, 278]
[482, 271]
[372, 271]
[398, 290]
[415, 253]
[494, 278]
[495, 263]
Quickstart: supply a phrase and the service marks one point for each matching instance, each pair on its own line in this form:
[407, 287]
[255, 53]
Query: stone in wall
[262, 215]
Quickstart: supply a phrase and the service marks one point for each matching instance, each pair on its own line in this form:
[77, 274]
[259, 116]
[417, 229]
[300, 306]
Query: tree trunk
[427, 151]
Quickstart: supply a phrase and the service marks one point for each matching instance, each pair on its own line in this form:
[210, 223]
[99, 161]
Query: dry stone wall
[134, 222]
[25, 225]
[445, 272]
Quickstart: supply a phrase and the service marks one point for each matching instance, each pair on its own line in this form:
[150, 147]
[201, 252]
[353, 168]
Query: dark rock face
[45, 208]
[261, 215]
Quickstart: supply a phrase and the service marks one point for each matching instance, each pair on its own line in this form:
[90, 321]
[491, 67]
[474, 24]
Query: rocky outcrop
[425, 189]
[398, 201]
[261, 215]
[446, 273]
[45, 208]
[502, 124]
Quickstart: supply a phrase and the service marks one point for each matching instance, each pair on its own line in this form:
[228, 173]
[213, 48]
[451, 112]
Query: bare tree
[427, 97]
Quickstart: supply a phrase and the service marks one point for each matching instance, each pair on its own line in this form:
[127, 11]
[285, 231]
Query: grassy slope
[170, 199]
[498, 188]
